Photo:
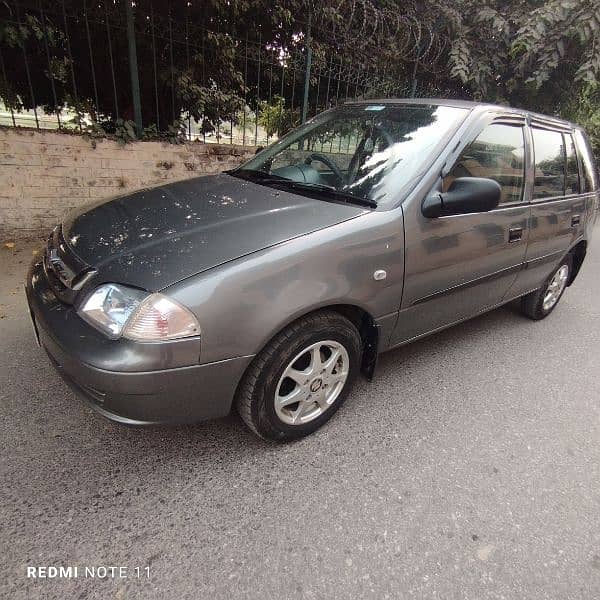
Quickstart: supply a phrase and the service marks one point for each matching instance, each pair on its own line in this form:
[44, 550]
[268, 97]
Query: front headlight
[118, 311]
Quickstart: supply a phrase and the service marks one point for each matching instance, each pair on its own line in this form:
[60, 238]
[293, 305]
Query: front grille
[66, 272]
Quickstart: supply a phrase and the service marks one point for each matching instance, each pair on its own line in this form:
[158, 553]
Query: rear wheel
[540, 303]
[301, 378]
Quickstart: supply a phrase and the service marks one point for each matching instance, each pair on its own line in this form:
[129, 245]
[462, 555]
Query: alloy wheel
[555, 287]
[311, 382]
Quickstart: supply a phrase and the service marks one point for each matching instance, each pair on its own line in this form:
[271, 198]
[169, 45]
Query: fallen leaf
[484, 552]
[9, 245]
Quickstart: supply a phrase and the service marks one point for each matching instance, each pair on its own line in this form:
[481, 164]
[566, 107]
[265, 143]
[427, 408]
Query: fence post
[413, 86]
[22, 44]
[307, 71]
[133, 69]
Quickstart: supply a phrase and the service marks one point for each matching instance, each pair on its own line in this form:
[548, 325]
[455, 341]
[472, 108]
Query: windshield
[368, 152]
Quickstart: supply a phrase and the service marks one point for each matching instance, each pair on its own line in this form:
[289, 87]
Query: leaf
[130, 130]
[9, 245]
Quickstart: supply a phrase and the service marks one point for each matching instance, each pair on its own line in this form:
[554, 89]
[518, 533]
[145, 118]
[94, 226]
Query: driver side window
[497, 153]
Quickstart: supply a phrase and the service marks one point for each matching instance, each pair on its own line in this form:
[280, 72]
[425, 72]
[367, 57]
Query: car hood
[156, 237]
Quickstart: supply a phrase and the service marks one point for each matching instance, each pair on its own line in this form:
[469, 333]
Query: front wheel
[540, 303]
[301, 378]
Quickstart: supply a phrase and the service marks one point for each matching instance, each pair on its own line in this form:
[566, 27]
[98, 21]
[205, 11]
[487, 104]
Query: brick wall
[43, 174]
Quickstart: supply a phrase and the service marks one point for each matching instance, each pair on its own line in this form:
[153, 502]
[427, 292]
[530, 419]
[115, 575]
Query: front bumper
[130, 382]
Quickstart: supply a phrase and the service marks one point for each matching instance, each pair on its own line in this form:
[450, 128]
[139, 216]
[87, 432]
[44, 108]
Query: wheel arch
[369, 334]
[577, 253]
[359, 317]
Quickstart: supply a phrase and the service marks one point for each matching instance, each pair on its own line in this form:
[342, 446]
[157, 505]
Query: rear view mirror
[465, 195]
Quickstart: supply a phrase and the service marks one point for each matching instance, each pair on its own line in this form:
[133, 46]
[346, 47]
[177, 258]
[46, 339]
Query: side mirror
[258, 149]
[466, 195]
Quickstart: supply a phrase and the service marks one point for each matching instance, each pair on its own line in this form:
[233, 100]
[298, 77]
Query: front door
[457, 266]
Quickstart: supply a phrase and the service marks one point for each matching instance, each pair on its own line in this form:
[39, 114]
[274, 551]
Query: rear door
[457, 266]
[558, 211]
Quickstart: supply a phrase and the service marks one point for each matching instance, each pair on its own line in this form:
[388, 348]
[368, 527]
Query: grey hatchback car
[273, 286]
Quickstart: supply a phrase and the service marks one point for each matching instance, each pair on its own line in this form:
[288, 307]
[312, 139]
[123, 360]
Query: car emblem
[315, 386]
[59, 267]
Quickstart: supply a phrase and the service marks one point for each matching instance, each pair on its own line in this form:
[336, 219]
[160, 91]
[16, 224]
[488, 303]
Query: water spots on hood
[118, 239]
[154, 237]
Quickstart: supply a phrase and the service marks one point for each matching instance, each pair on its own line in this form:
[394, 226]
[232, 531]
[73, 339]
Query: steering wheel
[328, 163]
[361, 154]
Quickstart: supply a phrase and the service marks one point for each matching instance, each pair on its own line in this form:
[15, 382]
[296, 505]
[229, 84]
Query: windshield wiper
[327, 191]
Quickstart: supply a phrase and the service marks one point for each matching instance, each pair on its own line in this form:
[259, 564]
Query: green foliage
[537, 54]
[123, 131]
[174, 133]
[585, 110]
[119, 130]
[275, 118]
[556, 32]
[543, 55]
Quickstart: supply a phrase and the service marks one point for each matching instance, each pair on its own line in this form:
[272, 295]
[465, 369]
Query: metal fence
[132, 68]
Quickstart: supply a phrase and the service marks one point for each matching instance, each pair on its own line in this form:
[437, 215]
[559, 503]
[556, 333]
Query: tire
[306, 344]
[533, 305]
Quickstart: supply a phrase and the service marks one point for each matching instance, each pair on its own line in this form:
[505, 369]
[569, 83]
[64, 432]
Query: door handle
[515, 234]
[575, 220]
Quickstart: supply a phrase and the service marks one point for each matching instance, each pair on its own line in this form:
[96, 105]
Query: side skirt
[473, 316]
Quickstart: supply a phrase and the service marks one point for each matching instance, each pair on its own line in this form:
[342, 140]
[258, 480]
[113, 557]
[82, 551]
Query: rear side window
[590, 175]
[549, 163]
[573, 186]
[498, 154]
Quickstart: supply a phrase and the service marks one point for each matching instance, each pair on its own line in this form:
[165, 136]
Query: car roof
[468, 104]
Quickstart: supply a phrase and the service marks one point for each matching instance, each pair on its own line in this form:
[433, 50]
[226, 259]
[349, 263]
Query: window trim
[549, 125]
[577, 161]
[583, 147]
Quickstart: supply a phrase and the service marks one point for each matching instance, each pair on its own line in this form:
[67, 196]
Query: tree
[190, 57]
[523, 52]
[218, 59]
[275, 118]
[203, 59]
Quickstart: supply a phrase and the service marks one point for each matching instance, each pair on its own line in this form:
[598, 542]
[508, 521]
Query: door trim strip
[470, 283]
[497, 274]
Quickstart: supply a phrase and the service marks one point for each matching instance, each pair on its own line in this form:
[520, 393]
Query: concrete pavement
[470, 468]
